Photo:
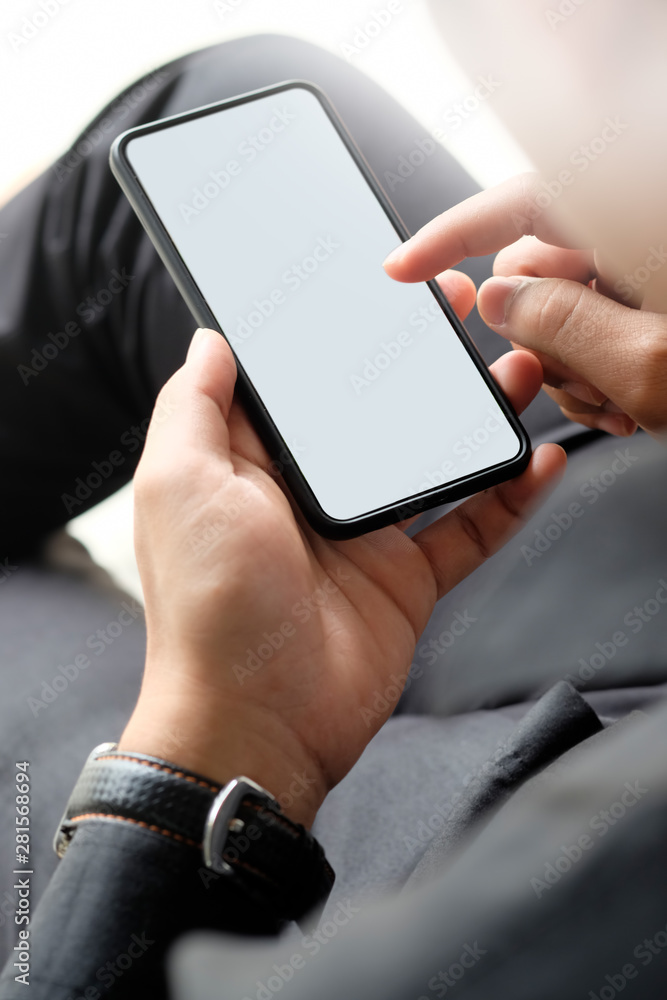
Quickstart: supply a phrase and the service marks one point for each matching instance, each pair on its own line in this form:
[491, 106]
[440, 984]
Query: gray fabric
[395, 804]
[520, 940]
[48, 617]
[377, 823]
[402, 797]
[535, 617]
[560, 720]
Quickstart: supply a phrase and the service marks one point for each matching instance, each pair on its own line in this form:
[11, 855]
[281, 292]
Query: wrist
[220, 742]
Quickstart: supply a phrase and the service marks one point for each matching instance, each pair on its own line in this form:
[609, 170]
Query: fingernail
[199, 339]
[495, 298]
[610, 407]
[587, 394]
[617, 425]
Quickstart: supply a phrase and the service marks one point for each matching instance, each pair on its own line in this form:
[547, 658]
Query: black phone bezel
[287, 465]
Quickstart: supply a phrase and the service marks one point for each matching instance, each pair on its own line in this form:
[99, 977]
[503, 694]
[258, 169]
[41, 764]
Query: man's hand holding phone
[267, 642]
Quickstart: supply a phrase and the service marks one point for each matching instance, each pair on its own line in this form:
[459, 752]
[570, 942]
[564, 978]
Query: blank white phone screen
[367, 382]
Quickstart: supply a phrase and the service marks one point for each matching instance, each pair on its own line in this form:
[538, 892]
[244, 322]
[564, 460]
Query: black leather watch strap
[255, 844]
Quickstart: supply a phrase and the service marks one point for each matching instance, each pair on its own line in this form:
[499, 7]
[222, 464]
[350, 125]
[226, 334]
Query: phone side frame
[286, 465]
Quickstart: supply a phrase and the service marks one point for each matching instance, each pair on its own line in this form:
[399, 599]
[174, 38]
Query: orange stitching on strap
[281, 820]
[255, 871]
[137, 822]
[165, 768]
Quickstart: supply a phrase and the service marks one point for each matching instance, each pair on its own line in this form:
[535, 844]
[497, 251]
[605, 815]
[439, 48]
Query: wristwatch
[239, 828]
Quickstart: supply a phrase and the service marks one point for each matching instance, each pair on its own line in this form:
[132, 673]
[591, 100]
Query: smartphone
[367, 392]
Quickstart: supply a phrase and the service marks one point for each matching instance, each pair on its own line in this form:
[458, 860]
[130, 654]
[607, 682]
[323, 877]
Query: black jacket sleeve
[118, 899]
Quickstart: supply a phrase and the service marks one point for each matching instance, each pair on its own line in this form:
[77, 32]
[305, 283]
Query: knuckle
[527, 189]
[562, 311]
[157, 478]
[647, 384]
[516, 258]
[473, 531]
[150, 484]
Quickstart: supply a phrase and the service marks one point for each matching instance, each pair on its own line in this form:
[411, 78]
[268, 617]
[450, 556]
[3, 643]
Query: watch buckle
[222, 820]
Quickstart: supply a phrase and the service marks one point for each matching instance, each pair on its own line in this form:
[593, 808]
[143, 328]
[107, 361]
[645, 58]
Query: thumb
[191, 410]
[620, 351]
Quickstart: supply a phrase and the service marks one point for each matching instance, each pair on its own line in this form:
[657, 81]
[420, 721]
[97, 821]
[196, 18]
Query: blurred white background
[63, 59]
